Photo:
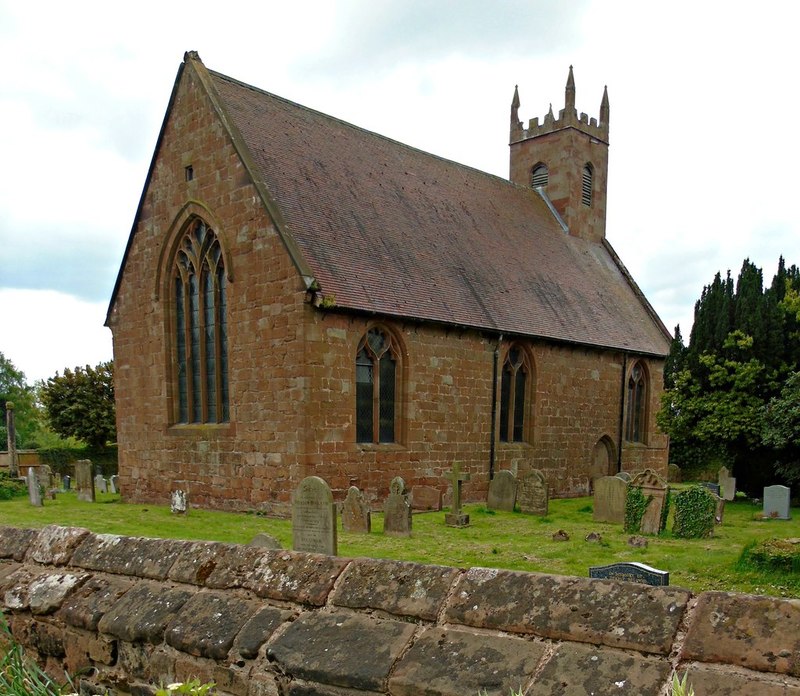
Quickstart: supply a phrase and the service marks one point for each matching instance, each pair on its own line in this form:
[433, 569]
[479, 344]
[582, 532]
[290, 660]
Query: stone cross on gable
[455, 518]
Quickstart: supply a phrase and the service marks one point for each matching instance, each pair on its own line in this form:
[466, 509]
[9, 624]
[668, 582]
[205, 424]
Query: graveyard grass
[494, 539]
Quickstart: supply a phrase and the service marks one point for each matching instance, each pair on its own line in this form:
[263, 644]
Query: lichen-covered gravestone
[776, 502]
[609, 499]
[397, 509]
[178, 503]
[502, 491]
[314, 517]
[84, 483]
[533, 494]
[654, 489]
[356, 517]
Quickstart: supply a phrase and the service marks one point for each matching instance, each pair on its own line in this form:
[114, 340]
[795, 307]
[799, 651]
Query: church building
[300, 296]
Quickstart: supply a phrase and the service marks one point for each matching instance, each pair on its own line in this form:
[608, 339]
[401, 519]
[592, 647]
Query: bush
[695, 509]
[11, 487]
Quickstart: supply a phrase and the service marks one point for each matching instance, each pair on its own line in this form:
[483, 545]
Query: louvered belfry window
[539, 175]
[513, 387]
[637, 404]
[201, 328]
[376, 387]
[586, 187]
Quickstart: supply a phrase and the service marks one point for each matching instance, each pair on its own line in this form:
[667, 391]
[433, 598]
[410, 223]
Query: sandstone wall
[134, 612]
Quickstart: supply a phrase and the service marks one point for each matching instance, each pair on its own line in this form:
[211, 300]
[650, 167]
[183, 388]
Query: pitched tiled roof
[388, 229]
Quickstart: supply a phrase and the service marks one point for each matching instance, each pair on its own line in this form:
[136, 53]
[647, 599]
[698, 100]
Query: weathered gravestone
[314, 517]
[502, 491]
[674, 474]
[356, 517]
[265, 541]
[631, 572]
[100, 484]
[624, 475]
[727, 483]
[609, 499]
[654, 489]
[34, 487]
[178, 503]
[426, 498]
[776, 502]
[66, 482]
[113, 484]
[457, 518]
[533, 494]
[719, 513]
[397, 509]
[84, 483]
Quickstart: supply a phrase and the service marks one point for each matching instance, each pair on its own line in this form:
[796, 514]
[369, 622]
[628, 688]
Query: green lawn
[501, 540]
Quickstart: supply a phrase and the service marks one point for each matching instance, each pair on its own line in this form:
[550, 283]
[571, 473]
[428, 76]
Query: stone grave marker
[84, 483]
[727, 483]
[609, 499]
[502, 491]
[397, 509]
[654, 488]
[66, 482]
[625, 476]
[100, 484]
[265, 541]
[356, 517]
[631, 572]
[532, 493]
[674, 474]
[314, 517]
[719, 513]
[713, 487]
[178, 503]
[457, 518]
[34, 487]
[426, 498]
[776, 502]
[113, 484]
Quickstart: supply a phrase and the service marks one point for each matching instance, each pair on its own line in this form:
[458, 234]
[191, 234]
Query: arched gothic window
[514, 387]
[586, 187]
[637, 404]
[201, 330]
[539, 175]
[377, 390]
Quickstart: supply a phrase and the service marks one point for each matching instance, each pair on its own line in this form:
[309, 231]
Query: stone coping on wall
[127, 614]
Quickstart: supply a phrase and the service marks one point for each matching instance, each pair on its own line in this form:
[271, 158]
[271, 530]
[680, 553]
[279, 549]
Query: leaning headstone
[100, 484]
[532, 493]
[609, 499]
[456, 517]
[502, 491]
[178, 503]
[113, 484]
[727, 483]
[631, 572]
[654, 489]
[426, 498]
[397, 509]
[776, 502]
[84, 483]
[356, 517]
[625, 476]
[34, 487]
[265, 541]
[719, 513]
[314, 517]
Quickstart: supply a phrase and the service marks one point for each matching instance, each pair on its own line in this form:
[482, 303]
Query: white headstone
[776, 502]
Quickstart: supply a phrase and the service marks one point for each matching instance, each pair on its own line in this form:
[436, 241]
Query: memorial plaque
[502, 491]
[84, 483]
[631, 572]
[776, 502]
[314, 517]
[533, 494]
[654, 488]
[397, 509]
[609, 499]
[727, 484]
[356, 517]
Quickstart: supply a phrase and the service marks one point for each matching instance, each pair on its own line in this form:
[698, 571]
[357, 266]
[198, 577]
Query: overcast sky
[704, 159]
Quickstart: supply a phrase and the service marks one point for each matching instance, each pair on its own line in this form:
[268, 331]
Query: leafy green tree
[782, 428]
[15, 389]
[80, 404]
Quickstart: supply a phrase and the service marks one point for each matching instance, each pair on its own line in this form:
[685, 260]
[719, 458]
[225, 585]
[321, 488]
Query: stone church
[301, 296]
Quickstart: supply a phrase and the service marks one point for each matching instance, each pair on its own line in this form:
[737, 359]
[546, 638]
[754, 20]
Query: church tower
[567, 158]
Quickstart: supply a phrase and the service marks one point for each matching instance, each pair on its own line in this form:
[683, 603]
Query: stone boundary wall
[130, 613]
